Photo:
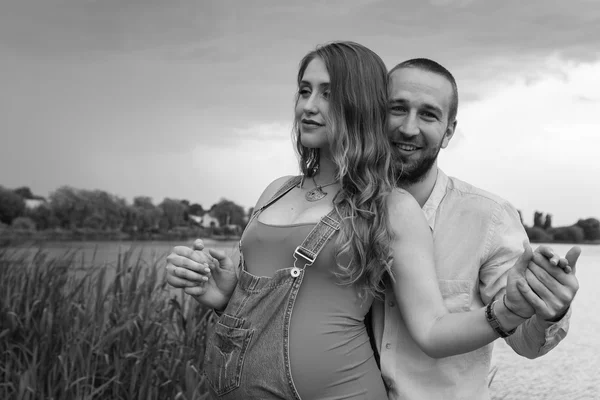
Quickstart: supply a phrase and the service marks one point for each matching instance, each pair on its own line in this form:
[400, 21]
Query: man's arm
[542, 332]
[554, 291]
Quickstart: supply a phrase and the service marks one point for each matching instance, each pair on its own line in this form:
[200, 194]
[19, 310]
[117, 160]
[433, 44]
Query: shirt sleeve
[504, 244]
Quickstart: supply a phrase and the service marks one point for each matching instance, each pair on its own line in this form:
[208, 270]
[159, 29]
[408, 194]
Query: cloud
[242, 173]
[209, 30]
[270, 131]
[459, 3]
[463, 34]
[58, 28]
[531, 143]
[162, 90]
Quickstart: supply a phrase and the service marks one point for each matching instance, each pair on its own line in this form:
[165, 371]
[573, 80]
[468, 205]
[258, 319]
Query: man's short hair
[429, 65]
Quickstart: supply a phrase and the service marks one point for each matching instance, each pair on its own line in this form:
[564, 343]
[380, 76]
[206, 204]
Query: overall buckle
[301, 252]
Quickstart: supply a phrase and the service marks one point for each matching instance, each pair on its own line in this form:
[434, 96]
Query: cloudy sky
[193, 99]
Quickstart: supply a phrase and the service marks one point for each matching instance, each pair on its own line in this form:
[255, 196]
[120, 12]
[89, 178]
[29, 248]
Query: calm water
[570, 371]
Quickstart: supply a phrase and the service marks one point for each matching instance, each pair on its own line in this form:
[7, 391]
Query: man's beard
[415, 172]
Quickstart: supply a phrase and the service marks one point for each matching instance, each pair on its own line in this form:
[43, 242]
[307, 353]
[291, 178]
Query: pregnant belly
[330, 352]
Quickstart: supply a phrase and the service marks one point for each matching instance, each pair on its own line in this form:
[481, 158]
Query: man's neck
[422, 190]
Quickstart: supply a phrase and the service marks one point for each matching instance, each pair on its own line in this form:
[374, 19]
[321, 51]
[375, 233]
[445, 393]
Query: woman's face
[312, 106]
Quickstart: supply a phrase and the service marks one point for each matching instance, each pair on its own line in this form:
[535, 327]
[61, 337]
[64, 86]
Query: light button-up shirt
[477, 239]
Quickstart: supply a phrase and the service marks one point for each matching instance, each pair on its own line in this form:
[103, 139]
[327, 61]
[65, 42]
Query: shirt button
[388, 346]
[391, 304]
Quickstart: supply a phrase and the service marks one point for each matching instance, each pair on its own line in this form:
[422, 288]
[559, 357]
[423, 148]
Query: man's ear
[449, 133]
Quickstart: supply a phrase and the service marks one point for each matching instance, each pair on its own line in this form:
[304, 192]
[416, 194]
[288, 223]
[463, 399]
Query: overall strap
[316, 240]
[286, 187]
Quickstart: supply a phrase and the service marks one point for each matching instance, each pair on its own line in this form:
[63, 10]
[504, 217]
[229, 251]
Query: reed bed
[107, 332]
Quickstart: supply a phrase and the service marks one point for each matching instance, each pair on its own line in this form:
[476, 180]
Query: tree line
[583, 231]
[94, 212]
[71, 213]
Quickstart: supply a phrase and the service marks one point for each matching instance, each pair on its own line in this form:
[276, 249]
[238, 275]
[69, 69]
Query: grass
[68, 334]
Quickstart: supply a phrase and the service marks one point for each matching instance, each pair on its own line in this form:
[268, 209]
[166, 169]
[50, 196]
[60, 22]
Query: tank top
[330, 353]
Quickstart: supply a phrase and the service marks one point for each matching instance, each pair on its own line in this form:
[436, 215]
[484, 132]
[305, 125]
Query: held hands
[551, 290]
[209, 278]
[542, 283]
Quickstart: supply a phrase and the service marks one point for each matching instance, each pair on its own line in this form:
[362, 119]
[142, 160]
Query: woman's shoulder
[401, 197]
[272, 188]
[401, 205]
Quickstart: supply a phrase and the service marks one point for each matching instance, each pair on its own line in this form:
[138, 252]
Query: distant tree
[23, 223]
[94, 221]
[227, 212]
[24, 192]
[591, 228]
[69, 207]
[12, 205]
[97, 209]
[105, 210]
[186, 212]
[537, 220]
[143, 202]
[537, 234]
[42, 216]
[145, 216]
[173, 213]
[570, 234]
[196, 209]
[164, 224]
[548, 222]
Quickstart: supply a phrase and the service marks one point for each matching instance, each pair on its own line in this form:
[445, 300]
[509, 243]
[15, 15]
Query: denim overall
[247, 355]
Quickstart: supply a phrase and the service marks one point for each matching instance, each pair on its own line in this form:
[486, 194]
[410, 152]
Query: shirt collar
[435, 198]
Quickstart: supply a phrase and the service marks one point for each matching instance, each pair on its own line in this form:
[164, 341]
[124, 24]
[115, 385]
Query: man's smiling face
[419, 105]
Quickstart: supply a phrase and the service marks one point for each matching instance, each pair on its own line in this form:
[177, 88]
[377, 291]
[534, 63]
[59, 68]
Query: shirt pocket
[456, 294]
[225, 353]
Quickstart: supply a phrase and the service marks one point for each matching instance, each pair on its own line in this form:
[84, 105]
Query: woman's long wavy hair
[361, 151]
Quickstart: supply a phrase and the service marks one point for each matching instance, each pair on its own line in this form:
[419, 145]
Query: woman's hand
[209, 277]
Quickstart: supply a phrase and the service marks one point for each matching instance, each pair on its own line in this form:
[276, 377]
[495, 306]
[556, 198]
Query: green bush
[11, 205]
[591, 228]
[568, 234]
[23, 223]
[107, 334]
[538, 235]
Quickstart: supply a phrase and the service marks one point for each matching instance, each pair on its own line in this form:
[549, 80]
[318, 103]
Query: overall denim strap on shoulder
[316, 240]
[286, 187]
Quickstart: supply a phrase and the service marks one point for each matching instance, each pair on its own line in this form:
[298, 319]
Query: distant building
[205, 221]
[236, 229]
[31, 204]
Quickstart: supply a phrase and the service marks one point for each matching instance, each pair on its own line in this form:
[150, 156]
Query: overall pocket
[225, 351]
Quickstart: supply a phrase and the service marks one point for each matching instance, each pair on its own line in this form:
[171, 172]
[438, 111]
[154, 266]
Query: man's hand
[209, 278]
[515, 299]
[551, 290]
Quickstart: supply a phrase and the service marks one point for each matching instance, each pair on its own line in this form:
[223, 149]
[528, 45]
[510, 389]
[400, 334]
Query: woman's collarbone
[292, 214]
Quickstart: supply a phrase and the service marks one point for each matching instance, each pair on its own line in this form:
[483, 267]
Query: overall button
[295, 272]
[388, 346]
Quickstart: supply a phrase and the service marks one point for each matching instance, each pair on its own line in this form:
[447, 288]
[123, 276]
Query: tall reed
[102, 333]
